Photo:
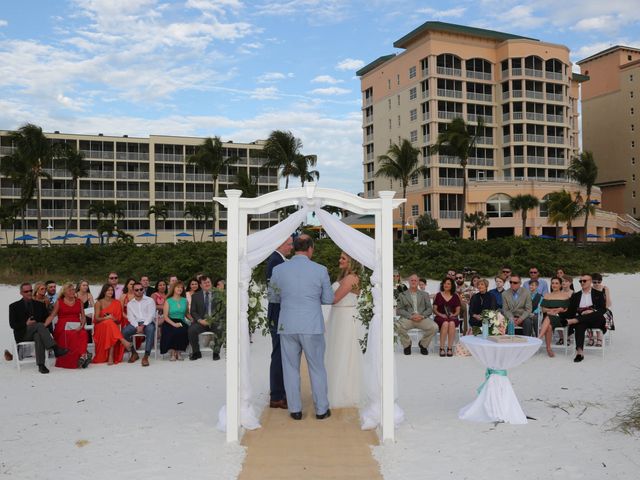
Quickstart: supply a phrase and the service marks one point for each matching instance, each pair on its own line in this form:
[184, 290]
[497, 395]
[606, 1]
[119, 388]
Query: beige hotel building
[138, 173]
[611, 122]
[527, 94]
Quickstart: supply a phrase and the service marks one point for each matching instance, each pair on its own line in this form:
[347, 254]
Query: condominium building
[611, 122]
[138, 173]
[522, 88]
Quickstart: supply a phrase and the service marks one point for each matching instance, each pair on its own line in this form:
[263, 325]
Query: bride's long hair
[353, 267]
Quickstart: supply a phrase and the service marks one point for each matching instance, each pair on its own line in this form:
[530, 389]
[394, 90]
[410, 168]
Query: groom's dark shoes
[296, 415]
[407, 350]
[326, 414]
[278, 404]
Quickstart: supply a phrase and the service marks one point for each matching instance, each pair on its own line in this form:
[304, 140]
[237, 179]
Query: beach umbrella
[546, 237]
[218, 234]
[146, 235]
[592, 235]
[566, 235]
[25, 237]
[58, 237]
[90, 235]
[183, 235]
[73, 235]
[611, 235]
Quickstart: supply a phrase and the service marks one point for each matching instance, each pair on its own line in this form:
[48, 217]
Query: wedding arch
[246, 251]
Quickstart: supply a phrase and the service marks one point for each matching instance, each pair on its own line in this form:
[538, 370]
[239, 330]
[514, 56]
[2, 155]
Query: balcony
[368, 138]
[160, 195]
[538, 117]
[369, 175]
[199, 177]
[555, 118]
[505, 95]
[443, 92]
[56, 192]
[136, 213]
[425, 94]
[448, 160]
[553, 75]
[535, 160]
[125, 194]
[199, 195]
[535, 138]
[169, 176]
[100, 174]
[57, 172]
[555, 97]
[506, 117]
[530, 72]
[506, 138]
[481, 162]
[135, 156]
[425, 116]
[555, 139]
[482, 97]
[267, 179]
[452, 72]
[517, 115]
[368, 101]
[7, 150]
[369, 156]
[478, 75]
[518, 137]
[137, 175]
[96, 193]
[169, 157]
[516, 71]
[484, 140]
[450, 214]
[507, 160]
[534, 94]
[48, 213]
[425, 72]
[518, 159]
[448, 115]
[473, 117]
[10, 192]
[504, 74]
[97, 154]
[450, 182]
[556, 161]
[516, 93]
[426, 182]
[368, 119]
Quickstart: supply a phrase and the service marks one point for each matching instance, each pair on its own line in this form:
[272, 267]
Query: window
[389, 84]
[633, 177]
[414, 179]
[631, 78]
[412, 72]
[633, 194]
[633, 160]
[413, 93]
[414, 210]
[631, 110]
[414, 136]
[389, 124]
[631, 94]
[634, 211]
[398, 78]
[633, 144]
[629, 58]
[398, 120]
[398, 100]
[544, 208]
[413, 115]
[498, 206]
[389, 104]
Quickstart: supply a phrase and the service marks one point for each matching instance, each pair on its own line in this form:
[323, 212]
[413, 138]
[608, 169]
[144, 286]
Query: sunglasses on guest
[596, 282]
[514, 281]
[583, 280]
[113, 278]
[533, 272]
[138, 289]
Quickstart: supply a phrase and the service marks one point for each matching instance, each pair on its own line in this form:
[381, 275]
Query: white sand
[158, 422]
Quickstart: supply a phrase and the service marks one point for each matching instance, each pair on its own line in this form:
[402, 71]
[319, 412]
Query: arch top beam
[310, 195]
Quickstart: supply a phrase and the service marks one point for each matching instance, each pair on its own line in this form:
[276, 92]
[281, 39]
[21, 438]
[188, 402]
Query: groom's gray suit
[302, 287]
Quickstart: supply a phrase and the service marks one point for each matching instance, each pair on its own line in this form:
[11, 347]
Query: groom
[302, 287]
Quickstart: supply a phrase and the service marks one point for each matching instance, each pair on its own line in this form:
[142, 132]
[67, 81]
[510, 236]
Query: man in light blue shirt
[534, 274]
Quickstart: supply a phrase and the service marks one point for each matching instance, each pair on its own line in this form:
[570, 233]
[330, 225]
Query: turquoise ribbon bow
[487, 374]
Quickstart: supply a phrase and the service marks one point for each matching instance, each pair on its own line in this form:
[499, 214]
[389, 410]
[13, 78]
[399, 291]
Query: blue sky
[239, 69]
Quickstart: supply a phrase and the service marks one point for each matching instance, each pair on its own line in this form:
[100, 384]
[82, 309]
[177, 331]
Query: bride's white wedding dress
[343, 356]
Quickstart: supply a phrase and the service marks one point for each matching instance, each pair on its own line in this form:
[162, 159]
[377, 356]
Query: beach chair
[24, 353]
[206, 339]
[565, 333]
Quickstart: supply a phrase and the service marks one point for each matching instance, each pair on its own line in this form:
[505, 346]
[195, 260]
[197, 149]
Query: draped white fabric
[357, 245]
[496, 401]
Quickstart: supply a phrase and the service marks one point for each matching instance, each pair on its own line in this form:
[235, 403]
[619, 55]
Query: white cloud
[3, 23]
[266, 93]
[314, 11]
[330, 91]
[350, 64]
[218, 6]
[271, 77]
[326, 79]
[452, 12]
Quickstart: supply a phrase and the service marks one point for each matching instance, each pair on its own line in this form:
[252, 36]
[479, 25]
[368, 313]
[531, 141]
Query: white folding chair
[594, 347]
[155, 349]
[205, 339]
[24, 353]
[565, 335]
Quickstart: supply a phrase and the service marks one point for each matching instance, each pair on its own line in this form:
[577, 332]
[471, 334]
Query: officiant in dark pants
[203, 305]
[276, 378]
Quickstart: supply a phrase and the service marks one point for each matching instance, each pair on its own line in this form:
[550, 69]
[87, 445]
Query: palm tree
[475, 222]
[209, 157]
[562, 208]
[401, 163]
[583, 169]
[523, 203]
[248, 185]
[282, 150]
[459, 140]
[77, 166]
[8, 215]
[107, 214]
[160, 212]
[25, 167]
[195, 212]
[302, 165]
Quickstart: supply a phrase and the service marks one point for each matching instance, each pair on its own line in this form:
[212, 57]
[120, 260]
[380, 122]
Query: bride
[343, 357]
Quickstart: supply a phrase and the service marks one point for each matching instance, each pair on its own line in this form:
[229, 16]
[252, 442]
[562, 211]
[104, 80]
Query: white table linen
[496, 401]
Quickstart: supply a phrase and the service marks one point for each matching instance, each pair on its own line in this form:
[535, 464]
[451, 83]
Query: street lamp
[49, 228]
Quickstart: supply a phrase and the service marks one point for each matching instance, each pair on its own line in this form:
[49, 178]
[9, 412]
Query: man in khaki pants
[414, 309]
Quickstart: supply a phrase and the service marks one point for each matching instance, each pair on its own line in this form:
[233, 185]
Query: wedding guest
[398, 285]
[175, 323]
[278, 395]
[534, 274]
[193, 287]
[586, 310]
[160, 296]
[497, 292]
[110, 344]
[536, 297]
[112, 279]
[148, 289]
[598, 285]
[481, 301]
[73, 336]
[553, 303]
[446, 307]
[172, 279]
[52, 292]
[220, 284]
[127, 295]
[465, 292]
[422, 284]
[451, 274]
[560, 273]
[84, 294]
[516, 305]
[40, 295]
[505, 273]
[414, 309]
[27, 320]
[141, 315]
[203, 305]
[567, 287]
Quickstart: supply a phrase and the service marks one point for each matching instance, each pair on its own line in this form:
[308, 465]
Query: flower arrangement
[217, 321]
[364, 307]
[256, 312]
[497, 322]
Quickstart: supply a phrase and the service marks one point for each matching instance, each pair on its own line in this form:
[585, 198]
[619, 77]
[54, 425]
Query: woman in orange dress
[69, 310]
[107, 321]
[127, 296]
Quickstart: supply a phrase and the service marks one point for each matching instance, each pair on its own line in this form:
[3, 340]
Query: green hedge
[185, 259]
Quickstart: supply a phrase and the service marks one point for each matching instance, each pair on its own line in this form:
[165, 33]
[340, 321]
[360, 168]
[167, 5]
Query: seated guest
[141, 315]
[127, 294]
[51, 293]
[112, 279]
[567, 287]
[414, 310]
[586, 310]
[598, 285]
[422, 284]
[497, 292]
[446, 307]
[553, 304]
[516, 306]
[174, 323]
[536, 297]
[160, 296]
[84, 294]
[193, 287]
[148, 289]
[203, 305]
[108, 321]
[398, 285]
[220, 284]
[40, 295]
[534, 274]
[27, 319]
[505, 273]
[483, 300]
[69, 331]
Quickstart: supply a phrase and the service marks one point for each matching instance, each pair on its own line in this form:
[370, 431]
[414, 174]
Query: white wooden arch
[311, 195]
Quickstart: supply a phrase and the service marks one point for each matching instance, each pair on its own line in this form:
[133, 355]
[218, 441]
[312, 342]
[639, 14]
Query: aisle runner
[287, 449]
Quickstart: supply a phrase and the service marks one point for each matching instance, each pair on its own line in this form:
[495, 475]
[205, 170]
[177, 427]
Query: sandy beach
[159, 422]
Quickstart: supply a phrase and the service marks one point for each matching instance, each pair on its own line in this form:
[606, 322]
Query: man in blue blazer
[276, 380]
[302, 287]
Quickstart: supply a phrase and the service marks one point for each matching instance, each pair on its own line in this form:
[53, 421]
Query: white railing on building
[555, 97]
[516, 93]
[169, 176]
[555, 139]
[518, 159]
[123, 194]
[448, 160]
[481, 97]
[199, 195]
[535, 138]
[452, 72]
[100, 174]
[135, 156]
[448, 115]
[556, 161]
[425, 72]
[553, 75]
[517, 115]
[538, 117]
[96, 193]
[484, 140]
[478, 75]
[137, 175]
[518, 137]
[534, 94]
[536, 160]
[473, 117]
[199, 177]
[56, 192]
[481, 162]
[516, 71]
[530, 72]
[425, 94]
[443, 92]
[450, 214]
[555, 118]
[450, 182]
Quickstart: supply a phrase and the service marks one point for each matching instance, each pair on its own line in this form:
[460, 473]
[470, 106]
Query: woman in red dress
[446, 309]
[107, 321]
[69, 310]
